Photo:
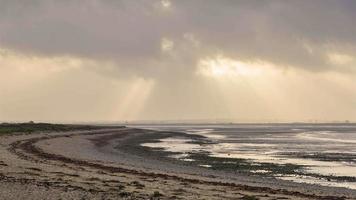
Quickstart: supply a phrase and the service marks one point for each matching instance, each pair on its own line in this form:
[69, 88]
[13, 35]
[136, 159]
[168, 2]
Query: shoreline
[107, 162]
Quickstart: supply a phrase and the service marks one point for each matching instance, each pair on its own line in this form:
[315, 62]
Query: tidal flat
[323, 154]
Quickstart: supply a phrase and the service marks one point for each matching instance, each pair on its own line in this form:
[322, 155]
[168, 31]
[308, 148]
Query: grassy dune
[7, 128]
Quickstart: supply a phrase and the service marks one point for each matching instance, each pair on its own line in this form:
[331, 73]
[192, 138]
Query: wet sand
[109, 164]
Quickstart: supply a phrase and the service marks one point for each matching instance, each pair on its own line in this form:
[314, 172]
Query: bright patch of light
[223, 67]
[43, 65]
[340, 59]
[166, 44]
[166, 3]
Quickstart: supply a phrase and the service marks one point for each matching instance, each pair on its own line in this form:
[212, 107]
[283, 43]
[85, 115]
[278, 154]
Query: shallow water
[325, 154]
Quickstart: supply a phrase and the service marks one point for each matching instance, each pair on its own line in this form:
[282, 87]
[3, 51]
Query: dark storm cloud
[287, 33]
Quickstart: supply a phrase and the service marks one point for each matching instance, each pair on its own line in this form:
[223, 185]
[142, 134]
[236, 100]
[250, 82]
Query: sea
[322, 154]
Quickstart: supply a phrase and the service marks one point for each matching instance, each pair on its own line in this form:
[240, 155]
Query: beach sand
[106, 164]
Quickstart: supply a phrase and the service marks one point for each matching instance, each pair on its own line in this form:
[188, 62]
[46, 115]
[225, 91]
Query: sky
[230, 60]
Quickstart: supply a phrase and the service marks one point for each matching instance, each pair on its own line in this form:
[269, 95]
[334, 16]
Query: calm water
[309, 153]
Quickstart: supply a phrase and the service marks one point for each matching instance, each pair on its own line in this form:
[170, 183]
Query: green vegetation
[31, 127]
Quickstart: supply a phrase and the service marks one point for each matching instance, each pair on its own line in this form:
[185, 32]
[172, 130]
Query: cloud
[130, 33]
[66, 88]
[177, 59]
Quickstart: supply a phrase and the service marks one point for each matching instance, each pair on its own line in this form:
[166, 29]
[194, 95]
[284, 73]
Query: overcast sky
[112, 60]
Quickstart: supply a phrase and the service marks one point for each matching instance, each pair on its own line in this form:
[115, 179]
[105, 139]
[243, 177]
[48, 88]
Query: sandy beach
[108, 164]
